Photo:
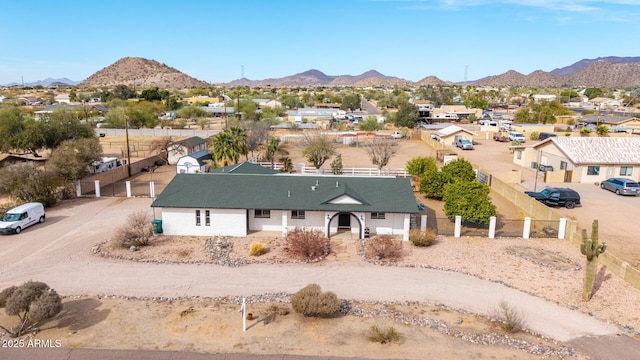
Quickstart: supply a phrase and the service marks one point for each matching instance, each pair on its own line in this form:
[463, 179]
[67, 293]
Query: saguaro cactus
[591, 249]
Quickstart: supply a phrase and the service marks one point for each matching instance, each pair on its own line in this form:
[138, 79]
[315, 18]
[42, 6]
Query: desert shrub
[306, 243]
[534, 135]
[33, 302]
[584, 131]
[512, 321]
[257, 249]
[311, 301]
[384, 337]
[136, 231]
[383, 247]
[420, 238]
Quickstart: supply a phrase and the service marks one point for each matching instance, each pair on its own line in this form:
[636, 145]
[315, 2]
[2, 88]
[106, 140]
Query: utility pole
[126, 135]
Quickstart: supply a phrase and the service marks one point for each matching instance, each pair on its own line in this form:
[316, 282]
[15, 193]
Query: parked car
[544, 135]
[621, 186]
[464, 144]
[21, 217]
[500, 136]
[552, 196]
[516, 136]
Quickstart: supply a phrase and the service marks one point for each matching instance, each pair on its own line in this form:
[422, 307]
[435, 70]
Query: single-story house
[183, 147]
[528, 128]
[194, 163]
[583, 159]
[448, 135]
[611, 120]
[236, 204]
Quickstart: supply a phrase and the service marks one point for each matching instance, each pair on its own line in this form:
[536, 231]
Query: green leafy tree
[142, 115]
[407, 115]
[433, 183]
[420, 165]
[592, 92]
[122, 92]
[459, 169]
[470, 200]
[172, 103]
[191, 112]
[11, 125]
[336, 165]
[602, 130]
[151, 94]
[370, 123]
[351, 102]
[249, 110]
[32, 302]
[72, 159]
[317, 149]
[522, 116]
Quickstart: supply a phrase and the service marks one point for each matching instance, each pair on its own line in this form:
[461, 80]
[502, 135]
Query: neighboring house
[194, 163]
[270, 103]
[610, 120]
[304, 115]
[236, 204]
[62, 98]
[183, 147]
[583, 159]
[528, 128]
[448, 135]
[544, 97]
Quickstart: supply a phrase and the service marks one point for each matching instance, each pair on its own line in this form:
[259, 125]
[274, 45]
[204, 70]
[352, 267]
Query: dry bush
[311, 301]
[384, 337]
[257, 249]
[136, 231]
[512, 321]
[383, 247]
[423, 239]
[306, 243]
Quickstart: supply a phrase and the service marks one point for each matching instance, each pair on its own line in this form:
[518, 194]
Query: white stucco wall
[229, 222]
[392, 224]
[189, 166]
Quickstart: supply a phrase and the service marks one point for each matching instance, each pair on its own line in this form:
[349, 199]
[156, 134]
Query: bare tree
[167, 144]
[317, 149]
[257, 133]
[381, 151]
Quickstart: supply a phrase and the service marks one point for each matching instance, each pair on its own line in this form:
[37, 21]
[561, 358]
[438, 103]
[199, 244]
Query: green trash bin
[157, 226]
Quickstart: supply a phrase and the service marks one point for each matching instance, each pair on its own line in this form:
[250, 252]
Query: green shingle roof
[288, 192]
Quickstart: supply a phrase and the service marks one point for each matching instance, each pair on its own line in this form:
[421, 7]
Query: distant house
[544, 97]
[583, 159]
[270, 103]
[448, 135]
[183, 147]
[194, 163]
[231, 204]
[611, 120]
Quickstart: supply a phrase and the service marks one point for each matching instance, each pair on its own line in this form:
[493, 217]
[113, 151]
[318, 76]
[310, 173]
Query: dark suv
[557, 197]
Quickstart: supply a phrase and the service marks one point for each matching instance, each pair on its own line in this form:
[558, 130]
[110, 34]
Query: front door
[344, 221]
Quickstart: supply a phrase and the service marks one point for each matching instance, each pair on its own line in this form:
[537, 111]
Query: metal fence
[544, 228]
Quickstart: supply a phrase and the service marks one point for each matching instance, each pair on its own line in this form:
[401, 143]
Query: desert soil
[549, 268]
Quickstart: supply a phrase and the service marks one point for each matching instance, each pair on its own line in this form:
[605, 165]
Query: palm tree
[272, 148]
[223, 149]
[239, 140]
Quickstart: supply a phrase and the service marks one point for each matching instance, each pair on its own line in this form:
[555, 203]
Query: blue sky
[411, 39]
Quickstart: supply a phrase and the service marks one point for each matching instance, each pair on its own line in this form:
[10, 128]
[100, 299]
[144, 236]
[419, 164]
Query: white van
[516, 136]
[21, 217]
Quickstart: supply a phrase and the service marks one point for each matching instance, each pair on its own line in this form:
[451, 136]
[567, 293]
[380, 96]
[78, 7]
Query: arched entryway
[345, 219]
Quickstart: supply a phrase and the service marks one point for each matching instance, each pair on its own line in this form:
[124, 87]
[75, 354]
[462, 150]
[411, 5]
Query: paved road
[57, 253]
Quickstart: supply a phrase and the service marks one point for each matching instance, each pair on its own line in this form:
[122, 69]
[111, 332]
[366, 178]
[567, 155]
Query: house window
[207, 218]
[262, 213]
[519, 154]
[297, 214]
[563, 165]
[626, 170]
[377, 215]
[593, 170]
[197, 217]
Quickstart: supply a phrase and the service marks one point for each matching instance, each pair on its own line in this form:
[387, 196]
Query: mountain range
[139, 73]
[48, 82]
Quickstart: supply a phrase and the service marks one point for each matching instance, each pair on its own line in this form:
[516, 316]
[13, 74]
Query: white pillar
[97, 185]
[128, 185]
[456, 231]
[527, 228]
[492, 227]
[423, 223]
[78, 189]
[152, 189]
[284, 223]
[362, 218]
[562, 228]
[407, 226]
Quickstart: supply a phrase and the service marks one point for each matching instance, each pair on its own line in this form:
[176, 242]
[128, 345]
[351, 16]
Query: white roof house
[584, 159]
[449, 134]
